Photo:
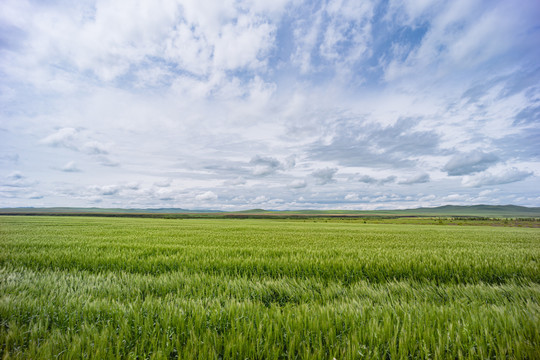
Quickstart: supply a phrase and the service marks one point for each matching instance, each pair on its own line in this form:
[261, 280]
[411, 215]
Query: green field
[84, 287]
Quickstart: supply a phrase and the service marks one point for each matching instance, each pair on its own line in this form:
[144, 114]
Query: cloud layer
[275, 104]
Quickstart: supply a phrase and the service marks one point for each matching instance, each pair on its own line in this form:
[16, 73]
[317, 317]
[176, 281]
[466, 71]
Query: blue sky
[269, 104]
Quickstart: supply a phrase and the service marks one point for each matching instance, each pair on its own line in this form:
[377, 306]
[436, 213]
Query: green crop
[265, 289]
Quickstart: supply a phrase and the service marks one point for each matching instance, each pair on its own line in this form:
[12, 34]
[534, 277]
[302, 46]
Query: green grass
[82, 287]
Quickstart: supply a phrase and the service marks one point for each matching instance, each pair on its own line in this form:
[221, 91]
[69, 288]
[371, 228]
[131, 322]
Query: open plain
[88, 287]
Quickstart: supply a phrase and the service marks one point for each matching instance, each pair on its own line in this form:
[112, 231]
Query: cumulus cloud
[206, 196]
[259, 199]
[132, 186]
[417, 179]
[106, 161]
[338, 38]
[469, 163]
[369, 143]
[17, 180]
[64, 137]
[111, 40]
[165, 183]
[290, 162]
[235, 182]
[70, 167]
[505, 177]
[74, 139]
[265, 165]
[487, 192]
[366, 179]
[324, 176]
[121, 189]
[94, 148]
[298, 184]
[106, 190]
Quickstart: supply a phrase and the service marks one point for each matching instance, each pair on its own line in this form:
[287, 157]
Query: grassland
[84, 287]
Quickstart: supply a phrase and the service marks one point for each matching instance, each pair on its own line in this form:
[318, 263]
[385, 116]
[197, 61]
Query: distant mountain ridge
[446, 210]
[106, 210]
[479, 210]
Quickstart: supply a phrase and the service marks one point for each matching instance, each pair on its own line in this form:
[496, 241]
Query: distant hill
[476, 210]
[499, 211]
[446, 210]
[95, 210]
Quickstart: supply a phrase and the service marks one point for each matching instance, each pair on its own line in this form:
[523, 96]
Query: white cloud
[206, 196]
[340, 33]
[259, 199]
[410, 12]
[235, 182]
[164, 183]
[111, 39]
[298, 184]
[461, 34]
[416, 179]
[70, 167]
[94, 148]
[243, 44]
[17, 180]
[63, 137]
[106, 190]
[324, 176]
[468, 163]
[105, 161]
[366, 179]
[265, 165]
[77, 140]
[16, 175]
[487, 192]
[505, 177]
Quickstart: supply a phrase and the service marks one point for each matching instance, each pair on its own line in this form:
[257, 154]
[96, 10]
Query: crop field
[121, 288]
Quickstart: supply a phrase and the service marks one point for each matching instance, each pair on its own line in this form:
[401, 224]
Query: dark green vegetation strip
[155, 288]
[507, 215]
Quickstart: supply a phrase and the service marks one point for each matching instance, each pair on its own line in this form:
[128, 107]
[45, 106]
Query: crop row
[174, 315]
[346, 253]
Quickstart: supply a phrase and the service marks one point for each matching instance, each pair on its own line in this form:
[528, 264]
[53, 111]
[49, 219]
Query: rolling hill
[497, 211]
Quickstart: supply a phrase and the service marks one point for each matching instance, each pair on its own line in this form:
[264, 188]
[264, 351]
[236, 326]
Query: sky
[274, 104]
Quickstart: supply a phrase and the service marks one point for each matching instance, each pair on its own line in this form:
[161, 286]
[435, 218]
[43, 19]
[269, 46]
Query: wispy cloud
[366, 179]
[206, 196]
[416, 179]
[468, 163]
[70, 167]
[363, 143]
[297, 184]
[77, 140]
[17, 180]
[266, 165]
[505, 177]
[324, 176]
